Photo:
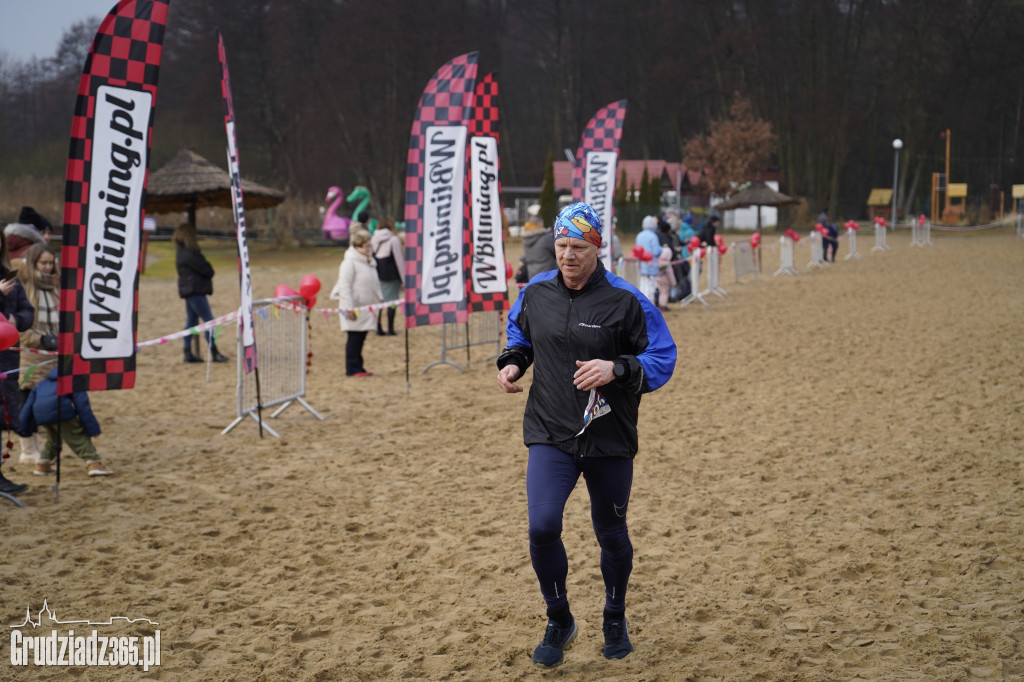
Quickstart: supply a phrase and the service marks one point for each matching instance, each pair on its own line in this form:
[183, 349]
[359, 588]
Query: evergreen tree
[621, 190]
[548, 200]
[645, 189]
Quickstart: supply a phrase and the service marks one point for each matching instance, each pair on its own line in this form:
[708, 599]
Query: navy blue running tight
[551, 476]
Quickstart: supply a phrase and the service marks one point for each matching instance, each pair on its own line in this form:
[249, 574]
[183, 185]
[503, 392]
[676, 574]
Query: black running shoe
[616, 639]
[12, 488]
[557, 639]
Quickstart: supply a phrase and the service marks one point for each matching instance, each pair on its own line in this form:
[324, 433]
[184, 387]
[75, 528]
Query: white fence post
[852, 234]
[817, 250]
[786, 266]
[880, 244]
[695, 293]
[714, 266]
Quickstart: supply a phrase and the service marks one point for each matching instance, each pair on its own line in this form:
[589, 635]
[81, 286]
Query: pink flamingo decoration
[335, 226]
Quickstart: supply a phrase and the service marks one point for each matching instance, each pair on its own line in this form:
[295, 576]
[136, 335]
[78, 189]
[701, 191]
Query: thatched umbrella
[759, 194]
[188, 181]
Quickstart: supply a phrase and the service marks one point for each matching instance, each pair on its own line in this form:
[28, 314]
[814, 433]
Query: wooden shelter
[758, 193]
[188, 181]
[880, 203]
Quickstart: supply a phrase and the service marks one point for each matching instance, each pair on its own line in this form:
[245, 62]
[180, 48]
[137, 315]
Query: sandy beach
[829, 488]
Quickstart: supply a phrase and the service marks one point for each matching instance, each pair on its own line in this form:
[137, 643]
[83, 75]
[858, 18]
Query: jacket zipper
[570, 360]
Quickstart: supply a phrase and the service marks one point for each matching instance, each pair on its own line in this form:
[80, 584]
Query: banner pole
[60, 441]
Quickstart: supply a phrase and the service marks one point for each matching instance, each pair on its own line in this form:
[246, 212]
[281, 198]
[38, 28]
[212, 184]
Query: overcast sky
[33, 28]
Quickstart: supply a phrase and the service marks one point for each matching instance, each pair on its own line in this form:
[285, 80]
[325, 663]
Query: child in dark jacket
[78, 425]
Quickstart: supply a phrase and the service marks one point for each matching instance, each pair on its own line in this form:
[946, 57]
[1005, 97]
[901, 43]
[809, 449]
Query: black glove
[48, 342]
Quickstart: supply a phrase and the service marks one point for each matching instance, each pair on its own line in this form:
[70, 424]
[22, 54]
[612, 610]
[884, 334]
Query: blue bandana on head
[579, 221]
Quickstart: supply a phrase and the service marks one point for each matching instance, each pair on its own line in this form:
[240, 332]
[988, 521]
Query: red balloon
[755, 239]
[8, 335]
[722, 249]
[284, 291]
[309, 286]
[719, 240]
[695, 242]
[310, 302]
[508, 270]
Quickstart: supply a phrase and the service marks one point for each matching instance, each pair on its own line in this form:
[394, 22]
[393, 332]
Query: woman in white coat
[357, 286]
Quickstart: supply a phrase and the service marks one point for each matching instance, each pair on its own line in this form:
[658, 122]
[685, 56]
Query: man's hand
[507, 376]
[593, 373]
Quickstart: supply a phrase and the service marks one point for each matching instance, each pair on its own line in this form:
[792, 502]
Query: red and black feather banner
[488, 285]
[435, 220]
[104, 196]
[245, 327]
[593, 179]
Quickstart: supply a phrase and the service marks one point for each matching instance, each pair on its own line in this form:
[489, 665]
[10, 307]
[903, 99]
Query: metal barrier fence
[629, 270]
[920, 233]
[852, 234]
[280, 327]
[786, 266]
[880, 244]
[744, 261]
[481, 329]
[817, 250]
[714, 266]
[695, 293]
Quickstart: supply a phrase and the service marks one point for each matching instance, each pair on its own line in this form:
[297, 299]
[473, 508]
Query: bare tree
[734, 148]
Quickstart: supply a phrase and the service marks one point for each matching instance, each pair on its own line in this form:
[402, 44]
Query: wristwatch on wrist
[619, 369]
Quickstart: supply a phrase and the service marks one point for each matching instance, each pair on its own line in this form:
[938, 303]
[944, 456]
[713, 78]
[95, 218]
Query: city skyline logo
[58, 644]
[52, 616]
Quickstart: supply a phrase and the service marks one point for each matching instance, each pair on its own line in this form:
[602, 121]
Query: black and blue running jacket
[551, 327]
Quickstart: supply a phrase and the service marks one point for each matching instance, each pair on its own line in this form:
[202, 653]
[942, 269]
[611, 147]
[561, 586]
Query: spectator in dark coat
[195, 283]
[17, 310]
[707, 233]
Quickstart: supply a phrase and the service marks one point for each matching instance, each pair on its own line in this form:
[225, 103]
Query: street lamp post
[897, 145]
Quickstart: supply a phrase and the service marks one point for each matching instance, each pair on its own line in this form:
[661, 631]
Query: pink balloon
[284, 291]
[309, 286]
[695, 242]
[719, 240]
[8, 335]
[755, 239]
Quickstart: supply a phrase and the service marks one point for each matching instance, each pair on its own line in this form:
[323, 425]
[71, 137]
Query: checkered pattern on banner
[483, 123]
[125, 53]
[447, 100]
[245, 319]
[602, 134]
